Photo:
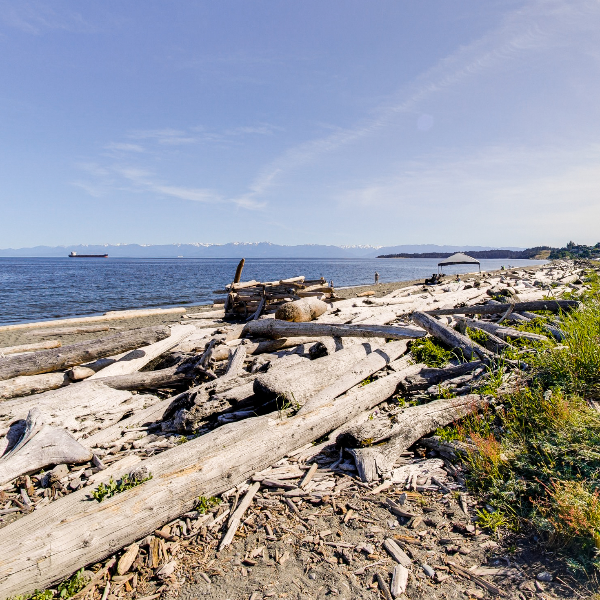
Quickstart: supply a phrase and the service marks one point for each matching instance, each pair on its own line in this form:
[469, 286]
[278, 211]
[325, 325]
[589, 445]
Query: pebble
[544, 576]
[312, 575]
[428, 570]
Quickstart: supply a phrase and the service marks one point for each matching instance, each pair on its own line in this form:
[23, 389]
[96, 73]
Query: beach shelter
[458, 259]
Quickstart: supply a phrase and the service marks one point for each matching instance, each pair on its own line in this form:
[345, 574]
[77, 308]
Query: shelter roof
[459, 259]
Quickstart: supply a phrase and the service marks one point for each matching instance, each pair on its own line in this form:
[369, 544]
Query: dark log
[75, 354]
[238, 271]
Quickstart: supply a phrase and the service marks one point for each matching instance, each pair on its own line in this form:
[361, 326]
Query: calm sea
[33, 289]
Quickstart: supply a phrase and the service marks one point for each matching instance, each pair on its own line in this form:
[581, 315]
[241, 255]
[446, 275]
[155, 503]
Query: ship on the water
[75, 255]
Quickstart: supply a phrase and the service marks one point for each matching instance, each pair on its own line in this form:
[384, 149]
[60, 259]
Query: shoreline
[14, 336]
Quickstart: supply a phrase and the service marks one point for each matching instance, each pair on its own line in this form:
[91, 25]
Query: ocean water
[34, 289]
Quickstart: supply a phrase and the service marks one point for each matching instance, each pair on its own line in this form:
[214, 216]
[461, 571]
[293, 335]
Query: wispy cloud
[540, 25]
[124, 147]
[139, 180]
[168, 137]
[33, 17]
[528, 193]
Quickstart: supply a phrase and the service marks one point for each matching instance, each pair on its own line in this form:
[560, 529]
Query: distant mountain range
[236, 250]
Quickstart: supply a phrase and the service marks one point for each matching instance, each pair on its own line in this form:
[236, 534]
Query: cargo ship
[75, 255]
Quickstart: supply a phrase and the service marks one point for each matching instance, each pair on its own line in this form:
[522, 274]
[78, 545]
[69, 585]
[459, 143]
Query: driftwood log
[79, 408]
[299, 382]
[470, 349]
[30, 347]
[32, 384]
[301, 311]
[274, 328]
[74, 354]
[39, 447]
[491, 309]
[503, 332]
[71, 330]
[49, 544]
[109, 316]
[409, 426]
[135, 360]
[375, 361]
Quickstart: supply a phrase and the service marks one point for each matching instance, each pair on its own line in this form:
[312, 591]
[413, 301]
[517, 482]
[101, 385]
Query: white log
[79, 408]
[274, 328]
[236, 518]
[109, 316]
[30, 347]
[135, 360]
[399, 581]
[299, 382]
[46, 361]
[32, 384]
[301, 311]
[376, 360]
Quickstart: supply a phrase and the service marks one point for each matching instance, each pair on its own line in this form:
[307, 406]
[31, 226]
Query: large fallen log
[32, 384]
[135, 360]
[491, 309]
[109, 316]
[70, 330]
[273, 328]
[30, 347]
[362, 369]
[75, 354]
[409, 426]
[298, 383]
[471, 350]
[49, 544]
[504, 333]
[149, 380]
[264, 347]
[301, 311]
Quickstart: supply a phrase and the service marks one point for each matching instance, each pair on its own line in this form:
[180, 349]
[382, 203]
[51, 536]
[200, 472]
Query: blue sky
[338, 122]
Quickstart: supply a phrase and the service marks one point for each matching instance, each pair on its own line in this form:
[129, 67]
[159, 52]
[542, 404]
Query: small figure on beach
[376, 278]
[457, 278]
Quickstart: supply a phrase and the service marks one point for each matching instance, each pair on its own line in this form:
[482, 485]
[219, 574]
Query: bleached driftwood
[51, 543]
[504, 333]
[109, 316]
[74, 354]
[135, 360]
[39, 447]
[301, 311]
[299, 382]
[469, 348]
[32, 384]
[409, 426]
[79, 408]
[273, 328]
[491, 309]
[30, 347]
[428, 376]
[70, 330]
[346, 379]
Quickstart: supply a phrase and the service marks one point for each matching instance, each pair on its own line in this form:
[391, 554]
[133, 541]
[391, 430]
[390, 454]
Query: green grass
[431, 352]
[116, 487]
[206, 503]
[536, 462]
